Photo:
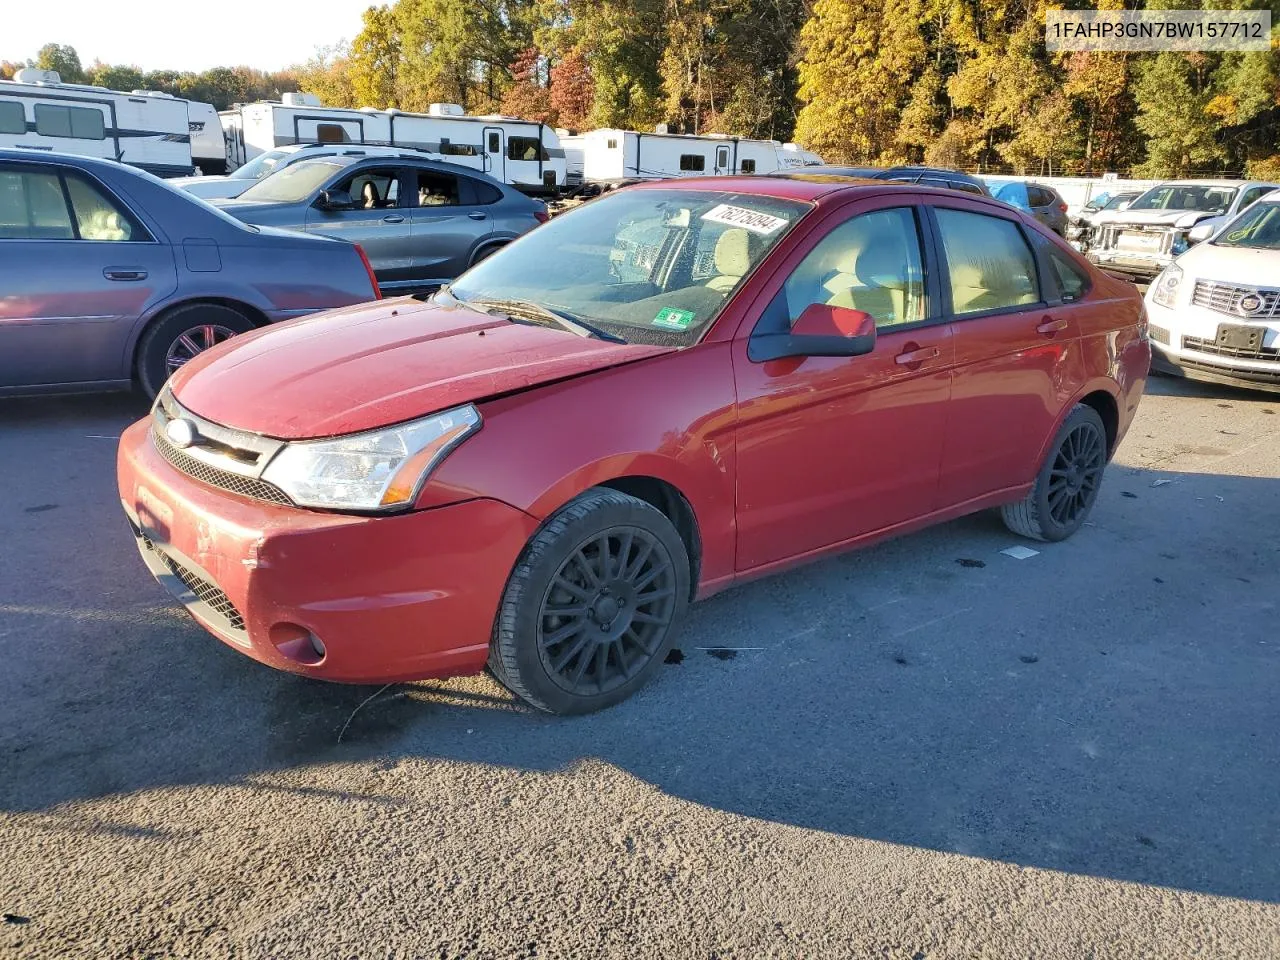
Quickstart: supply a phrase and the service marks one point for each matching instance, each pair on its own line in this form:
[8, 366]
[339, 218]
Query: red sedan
[671, 389]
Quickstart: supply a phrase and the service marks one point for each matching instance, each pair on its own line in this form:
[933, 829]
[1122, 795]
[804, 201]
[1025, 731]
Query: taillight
[541, 215]
[373, 280]
[1062, 207]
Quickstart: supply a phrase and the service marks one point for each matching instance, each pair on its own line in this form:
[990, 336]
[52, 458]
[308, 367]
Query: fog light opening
[298, 644]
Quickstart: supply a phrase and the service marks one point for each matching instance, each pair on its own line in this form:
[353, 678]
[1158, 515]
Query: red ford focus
[673, 388]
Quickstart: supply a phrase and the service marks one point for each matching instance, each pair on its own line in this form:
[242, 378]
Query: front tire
[589, 612]
[181, 335]
[1066, 487]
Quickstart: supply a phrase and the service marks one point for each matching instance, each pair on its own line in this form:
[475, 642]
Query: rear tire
[590, 610]
[181, 334]
[1067, 485]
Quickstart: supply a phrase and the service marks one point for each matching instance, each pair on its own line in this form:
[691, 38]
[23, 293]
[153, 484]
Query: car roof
[810, 187]
[23, 155]
[1206, 183]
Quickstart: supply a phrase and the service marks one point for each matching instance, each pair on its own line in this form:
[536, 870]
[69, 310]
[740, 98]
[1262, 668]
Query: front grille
[1210, 346]
[205, 591]
[1226, 297]
[1235, 373]
[214, 477]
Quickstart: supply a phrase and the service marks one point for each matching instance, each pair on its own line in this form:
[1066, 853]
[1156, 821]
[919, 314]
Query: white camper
[523, 153]
[40, 112]
[609, 156]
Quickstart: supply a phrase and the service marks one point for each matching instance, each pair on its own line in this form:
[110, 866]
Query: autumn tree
[528, 97]
[573, 90]
[859, 60]
[374, 59]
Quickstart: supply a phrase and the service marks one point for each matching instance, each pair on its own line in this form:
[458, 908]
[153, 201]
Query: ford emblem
[181, 433]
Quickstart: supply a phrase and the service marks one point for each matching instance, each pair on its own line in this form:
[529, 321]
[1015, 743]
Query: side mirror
[1200, 233]
[820, 331]
[335, 200]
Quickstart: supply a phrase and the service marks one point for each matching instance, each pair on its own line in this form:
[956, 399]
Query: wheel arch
[1101, 396]
[668, 500]
[253, 314]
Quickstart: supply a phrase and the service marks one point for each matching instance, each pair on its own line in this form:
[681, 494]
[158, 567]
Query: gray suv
[421, 222]
[111, 277]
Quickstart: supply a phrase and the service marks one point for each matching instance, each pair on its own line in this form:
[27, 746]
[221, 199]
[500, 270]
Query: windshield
[293, 183]
[1186, 196]
[260, 166]
[649, 266]
[1258, 228]
[1118, 199]
[1101, 202]
[1012, 192]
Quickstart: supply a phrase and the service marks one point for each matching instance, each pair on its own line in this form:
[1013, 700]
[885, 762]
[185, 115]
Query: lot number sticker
[673, 319]
[752, 220]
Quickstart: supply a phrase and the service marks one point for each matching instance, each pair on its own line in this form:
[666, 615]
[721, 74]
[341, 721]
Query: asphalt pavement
[927, 749]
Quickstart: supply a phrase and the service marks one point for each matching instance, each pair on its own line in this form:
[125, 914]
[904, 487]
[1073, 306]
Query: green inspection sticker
[673, 319]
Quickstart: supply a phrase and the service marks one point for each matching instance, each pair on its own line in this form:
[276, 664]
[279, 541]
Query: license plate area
[1236, 337]
[1133, 240]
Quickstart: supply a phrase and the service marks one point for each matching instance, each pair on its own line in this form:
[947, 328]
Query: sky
[161, 34]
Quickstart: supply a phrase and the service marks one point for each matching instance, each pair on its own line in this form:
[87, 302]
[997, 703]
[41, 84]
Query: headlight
[1165, 290]
[379, 470]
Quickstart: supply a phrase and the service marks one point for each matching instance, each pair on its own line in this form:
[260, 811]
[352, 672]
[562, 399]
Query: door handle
[393, 218]
[916, 356]
[476, 215]
[1051, 325]
[124, 273]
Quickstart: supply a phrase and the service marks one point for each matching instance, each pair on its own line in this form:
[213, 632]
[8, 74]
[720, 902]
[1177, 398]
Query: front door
[722, 161]
[832, 448]
[79, 271]
[378, 219]
[495, 156]
[1017, 355]
[451, 216]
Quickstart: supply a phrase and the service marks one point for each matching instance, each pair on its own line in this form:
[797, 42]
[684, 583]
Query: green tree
[116, 77]
[62, 58]
[1173, 94]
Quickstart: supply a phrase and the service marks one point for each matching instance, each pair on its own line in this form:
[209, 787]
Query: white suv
[265, 164]
[1215, 311]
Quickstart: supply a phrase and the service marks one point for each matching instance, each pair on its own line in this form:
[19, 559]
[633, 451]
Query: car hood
[249, 210]
[1241, 265]
[1153, 218]
[381, 363]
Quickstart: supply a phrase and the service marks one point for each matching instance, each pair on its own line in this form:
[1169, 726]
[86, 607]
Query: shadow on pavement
[1107, 707]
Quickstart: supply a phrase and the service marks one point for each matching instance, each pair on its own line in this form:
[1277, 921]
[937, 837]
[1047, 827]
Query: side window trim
[944, 271]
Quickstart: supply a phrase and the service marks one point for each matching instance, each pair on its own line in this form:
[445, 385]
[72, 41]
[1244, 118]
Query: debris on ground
[1020, 552]
[1161, 482]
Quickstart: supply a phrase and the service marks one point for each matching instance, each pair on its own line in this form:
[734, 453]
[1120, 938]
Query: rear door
[79, 269]
[451, 215]
[1017, 356]
[379, 221]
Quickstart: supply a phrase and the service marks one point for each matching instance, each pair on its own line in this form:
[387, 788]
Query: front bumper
[389, 598]
[1134, 265]
[1183, 343]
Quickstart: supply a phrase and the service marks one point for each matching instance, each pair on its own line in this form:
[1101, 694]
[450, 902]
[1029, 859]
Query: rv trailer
[523, 153]
[608, 156]
[147, 130]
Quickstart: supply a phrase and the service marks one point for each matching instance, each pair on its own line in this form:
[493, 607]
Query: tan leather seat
[873, 279]
[978, 285]
[732, 259]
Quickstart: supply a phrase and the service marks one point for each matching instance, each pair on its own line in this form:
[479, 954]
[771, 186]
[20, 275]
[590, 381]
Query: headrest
[733, 252]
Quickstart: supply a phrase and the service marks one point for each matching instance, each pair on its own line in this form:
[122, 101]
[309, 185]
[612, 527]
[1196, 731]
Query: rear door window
[437, 189]
[989, 264]
[99, 217]
[32, 206]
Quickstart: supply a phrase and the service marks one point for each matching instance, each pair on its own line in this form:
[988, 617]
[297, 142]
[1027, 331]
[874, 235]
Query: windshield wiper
[532, 312]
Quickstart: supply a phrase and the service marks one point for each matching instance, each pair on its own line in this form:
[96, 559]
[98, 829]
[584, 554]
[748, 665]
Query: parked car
[1215, 311]
[1042, 202]
[110, 277]
[927, 176]
[1143, 239]
[265, 164]
[1080, 228]
[675, 387]
[421, 222]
